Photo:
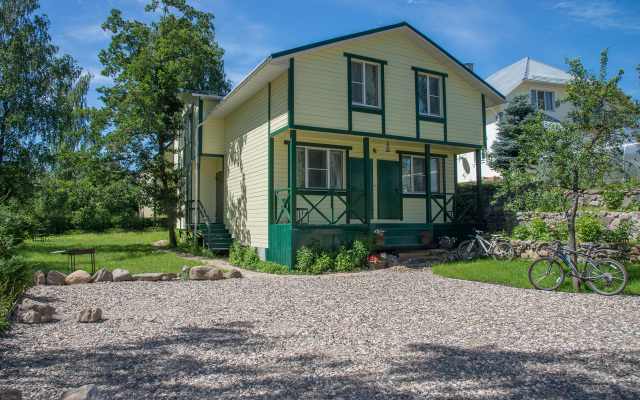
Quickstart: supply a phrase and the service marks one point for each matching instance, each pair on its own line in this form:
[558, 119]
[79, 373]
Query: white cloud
[601, 14]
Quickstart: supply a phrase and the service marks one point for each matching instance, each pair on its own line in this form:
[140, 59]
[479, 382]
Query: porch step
[218, 238]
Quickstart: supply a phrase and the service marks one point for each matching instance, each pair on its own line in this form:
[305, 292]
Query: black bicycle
[606, 277]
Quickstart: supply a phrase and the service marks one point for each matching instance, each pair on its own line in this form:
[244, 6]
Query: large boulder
[103, 275]
[39, 277]
[55, 278]
[34, 312]
[120, 275]
[204, 272]
[86, 392]
[88, 315]
[151, 276]
[232, 273]
[78, 277]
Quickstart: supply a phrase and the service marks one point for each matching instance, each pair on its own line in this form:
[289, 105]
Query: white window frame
[412, 174]
[439, 79]
[328, 151]
[364, 84]
[544, 90]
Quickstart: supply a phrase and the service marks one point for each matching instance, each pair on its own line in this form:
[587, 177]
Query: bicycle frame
[484, 241]
[576, 271]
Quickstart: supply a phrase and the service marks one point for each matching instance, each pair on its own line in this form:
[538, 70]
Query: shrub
[539, 229]
[324, 262]
[345, 261]
[521, 232]
[613, 198]
[588, 229]
[634, 205]
[270, 267]
[559, 231]
[621, 235]
[236, 254]
[245, 257]
[250, 259]
[305, 258]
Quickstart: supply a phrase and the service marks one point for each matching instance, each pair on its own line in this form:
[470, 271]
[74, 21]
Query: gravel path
[390, 334]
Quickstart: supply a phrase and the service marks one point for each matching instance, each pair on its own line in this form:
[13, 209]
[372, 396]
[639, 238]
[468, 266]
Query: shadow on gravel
[231, 361]
[519, 374]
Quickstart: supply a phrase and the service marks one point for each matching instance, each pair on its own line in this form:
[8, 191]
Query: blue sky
[492, 34]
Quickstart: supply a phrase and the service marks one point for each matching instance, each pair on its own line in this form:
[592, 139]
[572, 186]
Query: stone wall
[497, 220]
[532, 249]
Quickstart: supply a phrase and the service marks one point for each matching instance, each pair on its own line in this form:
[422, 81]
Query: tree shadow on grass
[231, 360]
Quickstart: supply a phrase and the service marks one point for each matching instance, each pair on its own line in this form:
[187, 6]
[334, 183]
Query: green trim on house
[212, 155]
[290, 99]
[270, 190]
[427, 177]
[480, 213]
[429, 118]
[484, 123]
[320, 145]
[362, 108]
[292, 179]
[200, 114]
[394, 137]
[269, 110]
[455, 174]
[430, 72]
[363, 58]
[277, 131]
[416, 153]
[368, 189]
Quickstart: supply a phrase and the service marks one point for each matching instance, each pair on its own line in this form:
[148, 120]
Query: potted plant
[425, 237]
[447, 242]
[377, 261]
[379, 238]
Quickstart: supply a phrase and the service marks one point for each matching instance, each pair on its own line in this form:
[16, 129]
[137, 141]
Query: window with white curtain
[320, 168]
[429, 95]
[543, 100]
[365, 84]
[413, 179]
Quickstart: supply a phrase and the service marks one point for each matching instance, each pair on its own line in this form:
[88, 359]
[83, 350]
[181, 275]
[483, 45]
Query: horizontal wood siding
[208, 168]
[213, 136]
[246, 171]
[279, 102]
[363, 122]
[321, 84]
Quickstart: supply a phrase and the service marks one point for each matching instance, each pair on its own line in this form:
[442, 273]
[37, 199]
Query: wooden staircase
[218, 238]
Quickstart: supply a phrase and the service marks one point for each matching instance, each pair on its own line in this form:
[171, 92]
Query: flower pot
[377, 265]
[379, 241]
[425, 239]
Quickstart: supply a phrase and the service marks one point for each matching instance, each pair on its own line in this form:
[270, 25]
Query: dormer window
[543, 100]
[365, 84]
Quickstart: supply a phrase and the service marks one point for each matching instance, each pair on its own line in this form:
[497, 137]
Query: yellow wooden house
[329, 141]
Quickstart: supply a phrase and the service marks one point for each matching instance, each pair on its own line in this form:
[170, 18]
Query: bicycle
[606, 277]
[469, 249]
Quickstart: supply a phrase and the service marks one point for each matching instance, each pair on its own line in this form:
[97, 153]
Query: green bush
[621, 235]
[305, 258]
[323, 263]
[613, 198]
[559, 231]
[247, 258]
[236, 254]
[345, 260]
[251, 259]
[521, 232]
[588, 229]
[539, 229]
[634, 205]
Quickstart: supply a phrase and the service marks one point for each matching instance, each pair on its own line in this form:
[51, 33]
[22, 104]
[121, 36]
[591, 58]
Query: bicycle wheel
[503, 252]
[468, 250]
[546, 274]
[607, 277]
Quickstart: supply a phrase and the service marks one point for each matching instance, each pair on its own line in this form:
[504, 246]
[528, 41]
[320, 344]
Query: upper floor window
[187, 129]
[365, 84]
[320, 168]
[543, 100]
[413, 179]
[429, 95]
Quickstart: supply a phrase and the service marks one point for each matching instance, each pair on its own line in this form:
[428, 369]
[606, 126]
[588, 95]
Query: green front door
[389, 190]
[356, 181]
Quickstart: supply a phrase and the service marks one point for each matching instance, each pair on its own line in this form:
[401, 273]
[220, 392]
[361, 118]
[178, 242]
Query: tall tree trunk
[166, 196]
[571, 227]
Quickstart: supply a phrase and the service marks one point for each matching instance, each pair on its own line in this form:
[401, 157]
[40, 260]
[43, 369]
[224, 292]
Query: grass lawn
[514, 273]
[127, 250]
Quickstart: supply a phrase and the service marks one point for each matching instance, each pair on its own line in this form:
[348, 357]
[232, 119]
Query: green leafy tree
[505, 149]
[33, 80]
[579, 152]
[149, 64]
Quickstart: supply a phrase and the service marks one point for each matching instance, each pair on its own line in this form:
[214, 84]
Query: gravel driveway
[390, 334]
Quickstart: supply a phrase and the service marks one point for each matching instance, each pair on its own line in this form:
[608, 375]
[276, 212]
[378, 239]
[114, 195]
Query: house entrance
[356, 178]
[389, 190]
[219, 195]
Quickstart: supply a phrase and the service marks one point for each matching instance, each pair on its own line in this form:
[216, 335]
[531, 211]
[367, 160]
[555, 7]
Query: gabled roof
[274, 65]
[529, 70]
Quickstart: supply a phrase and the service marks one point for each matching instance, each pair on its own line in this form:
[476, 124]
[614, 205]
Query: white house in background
[544, 84]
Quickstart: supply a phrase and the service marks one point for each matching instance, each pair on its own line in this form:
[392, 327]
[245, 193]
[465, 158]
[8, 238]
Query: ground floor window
[413, 178]
[320, 168]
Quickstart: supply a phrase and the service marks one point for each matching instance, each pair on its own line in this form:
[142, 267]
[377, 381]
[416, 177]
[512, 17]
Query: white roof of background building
[528, 70]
